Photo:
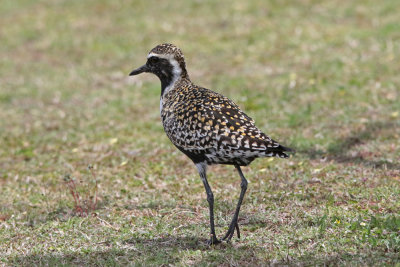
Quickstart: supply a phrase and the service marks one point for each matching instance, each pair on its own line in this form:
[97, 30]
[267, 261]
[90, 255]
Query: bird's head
[167, 62]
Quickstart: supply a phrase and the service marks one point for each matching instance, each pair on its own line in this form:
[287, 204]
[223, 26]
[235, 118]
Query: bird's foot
[213, 241]
[231, 231]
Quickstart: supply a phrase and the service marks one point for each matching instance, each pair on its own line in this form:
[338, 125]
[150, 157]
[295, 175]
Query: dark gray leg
[210, 198]
[234, 223]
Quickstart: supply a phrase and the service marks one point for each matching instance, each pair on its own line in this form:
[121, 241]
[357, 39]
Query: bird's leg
[210, 199]
[234, 224]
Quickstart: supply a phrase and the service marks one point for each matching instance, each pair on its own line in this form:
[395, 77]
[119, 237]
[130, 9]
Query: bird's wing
[215, 121]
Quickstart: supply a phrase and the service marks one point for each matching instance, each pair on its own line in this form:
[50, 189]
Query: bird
[206, 126]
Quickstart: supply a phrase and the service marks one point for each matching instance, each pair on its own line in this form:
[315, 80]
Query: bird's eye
[153, 60]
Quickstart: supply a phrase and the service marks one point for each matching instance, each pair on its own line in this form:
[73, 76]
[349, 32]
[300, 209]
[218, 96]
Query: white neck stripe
[166, 56]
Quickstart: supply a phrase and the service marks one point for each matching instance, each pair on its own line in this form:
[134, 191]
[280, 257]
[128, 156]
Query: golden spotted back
[204, 123]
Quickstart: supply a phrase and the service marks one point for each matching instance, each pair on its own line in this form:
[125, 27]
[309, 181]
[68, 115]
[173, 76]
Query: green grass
[319, 76]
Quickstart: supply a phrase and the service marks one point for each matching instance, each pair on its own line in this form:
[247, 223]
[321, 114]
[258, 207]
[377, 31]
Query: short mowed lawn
[321, 77]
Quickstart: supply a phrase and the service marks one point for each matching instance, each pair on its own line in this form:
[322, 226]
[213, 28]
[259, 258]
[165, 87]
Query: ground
[321, 77]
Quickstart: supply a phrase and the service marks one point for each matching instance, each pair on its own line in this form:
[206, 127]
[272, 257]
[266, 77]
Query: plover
[206, 126]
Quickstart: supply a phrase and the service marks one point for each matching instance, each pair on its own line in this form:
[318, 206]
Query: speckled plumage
[208, 127]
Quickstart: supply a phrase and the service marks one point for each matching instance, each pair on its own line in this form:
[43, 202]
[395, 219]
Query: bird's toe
[213, 241]
[231, 231]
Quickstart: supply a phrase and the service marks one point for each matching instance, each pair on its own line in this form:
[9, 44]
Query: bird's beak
[139, 70]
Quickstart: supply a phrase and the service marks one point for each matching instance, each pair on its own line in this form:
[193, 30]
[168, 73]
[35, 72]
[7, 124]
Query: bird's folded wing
[217, 122]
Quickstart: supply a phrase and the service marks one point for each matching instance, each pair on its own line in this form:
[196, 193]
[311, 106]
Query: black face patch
[163, 69]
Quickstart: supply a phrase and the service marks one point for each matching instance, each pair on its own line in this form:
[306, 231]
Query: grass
[318, 76]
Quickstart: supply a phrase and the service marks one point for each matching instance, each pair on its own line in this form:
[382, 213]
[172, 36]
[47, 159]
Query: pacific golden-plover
[206, 126]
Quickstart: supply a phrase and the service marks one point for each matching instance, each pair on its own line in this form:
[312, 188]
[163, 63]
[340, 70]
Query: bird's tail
[280, 152]
[287, 149]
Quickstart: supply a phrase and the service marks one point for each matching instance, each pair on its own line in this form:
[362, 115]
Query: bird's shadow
[168, 250]
[170, 242]
[338, 151]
